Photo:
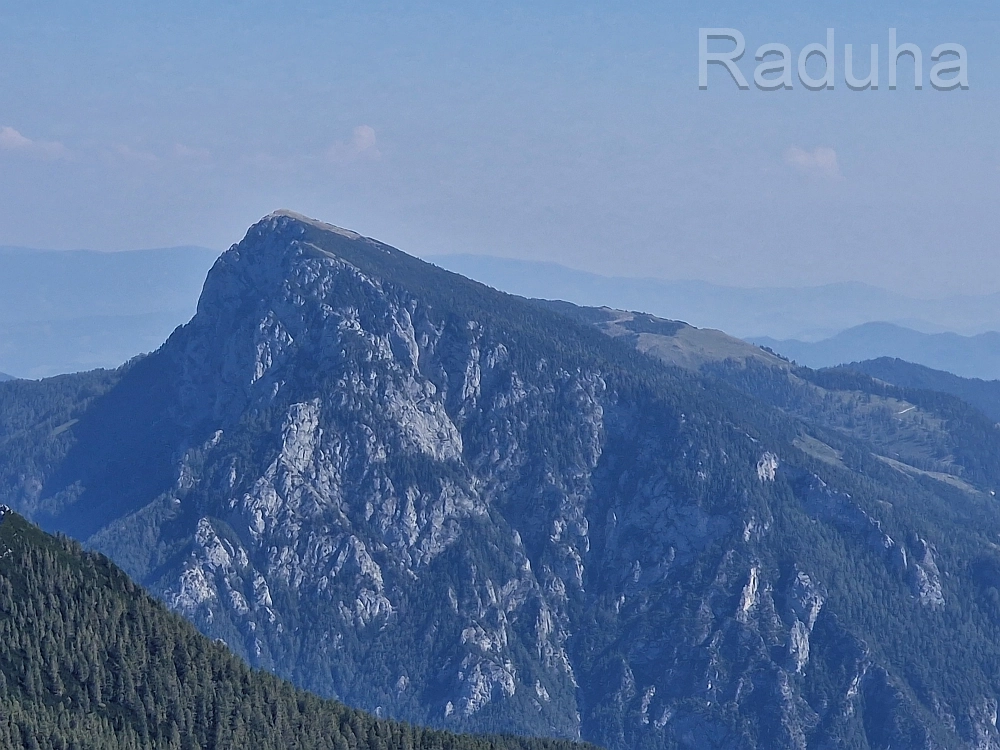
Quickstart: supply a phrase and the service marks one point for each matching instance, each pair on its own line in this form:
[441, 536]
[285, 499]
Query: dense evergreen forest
[89, 661]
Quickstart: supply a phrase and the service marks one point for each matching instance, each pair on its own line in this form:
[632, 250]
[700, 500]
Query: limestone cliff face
[447, 505]
[388, 432]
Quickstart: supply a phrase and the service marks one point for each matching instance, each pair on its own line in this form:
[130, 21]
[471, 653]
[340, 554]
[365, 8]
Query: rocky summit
[444, 504]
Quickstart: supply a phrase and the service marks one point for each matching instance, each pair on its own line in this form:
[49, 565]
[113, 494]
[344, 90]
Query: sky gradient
[571, 132]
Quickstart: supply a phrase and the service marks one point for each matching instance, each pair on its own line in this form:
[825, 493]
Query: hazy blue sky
[572, 132]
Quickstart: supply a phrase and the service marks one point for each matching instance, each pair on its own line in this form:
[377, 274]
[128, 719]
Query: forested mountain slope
[404, 489]
[982, 394]
[902, 419]
[89, 660]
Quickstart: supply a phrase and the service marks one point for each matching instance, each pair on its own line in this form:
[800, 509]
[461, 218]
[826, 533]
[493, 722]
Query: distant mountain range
[66, 311]
[4, 376]
[69, 311]
[809, 314]
[967, 356]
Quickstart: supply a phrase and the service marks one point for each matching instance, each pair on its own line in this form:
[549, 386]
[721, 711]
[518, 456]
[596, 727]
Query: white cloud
[363, 145]
[135, 154]
[12, 140]
[182, 151]
[821, 161]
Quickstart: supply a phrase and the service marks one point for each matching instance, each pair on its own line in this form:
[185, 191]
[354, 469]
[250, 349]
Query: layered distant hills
[441, 503]
[72, 311]
[966, 356]
[78, 310]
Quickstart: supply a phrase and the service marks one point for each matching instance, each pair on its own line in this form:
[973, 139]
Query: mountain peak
[284, 213]
[272, 252]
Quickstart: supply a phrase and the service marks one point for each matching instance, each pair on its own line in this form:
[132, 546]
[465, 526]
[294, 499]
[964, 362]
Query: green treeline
[89, 661]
